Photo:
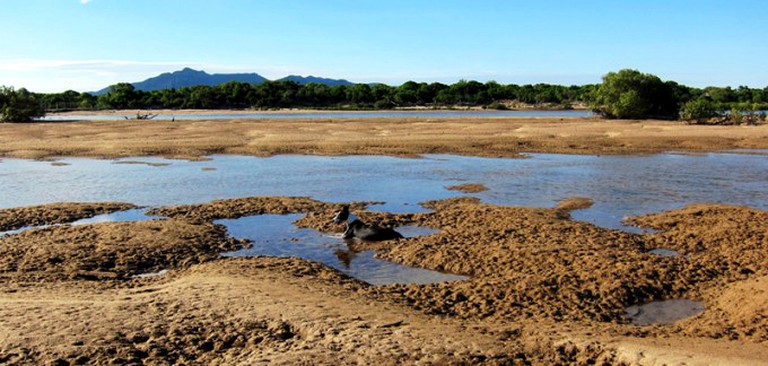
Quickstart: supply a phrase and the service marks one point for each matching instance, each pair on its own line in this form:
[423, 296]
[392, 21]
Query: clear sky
[85, 45]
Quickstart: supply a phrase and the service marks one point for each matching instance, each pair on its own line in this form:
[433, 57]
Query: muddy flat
[542, 288]
[478, 136]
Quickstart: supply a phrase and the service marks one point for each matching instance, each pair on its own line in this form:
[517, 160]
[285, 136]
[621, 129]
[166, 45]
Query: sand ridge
[543, 289]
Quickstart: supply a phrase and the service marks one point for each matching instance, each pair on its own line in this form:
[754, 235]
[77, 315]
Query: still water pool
[274, 235]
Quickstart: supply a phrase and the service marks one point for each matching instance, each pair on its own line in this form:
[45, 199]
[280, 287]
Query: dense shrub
[632, 94]
[19, 105]
[700, 110]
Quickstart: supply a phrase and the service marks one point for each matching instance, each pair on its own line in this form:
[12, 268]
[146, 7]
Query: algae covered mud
[553, 282]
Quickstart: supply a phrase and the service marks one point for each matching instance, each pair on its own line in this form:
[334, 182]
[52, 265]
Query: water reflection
[664, 312]
[315, 115]
[665, 252]
[275, 235]
[620, 186]
[138, 214]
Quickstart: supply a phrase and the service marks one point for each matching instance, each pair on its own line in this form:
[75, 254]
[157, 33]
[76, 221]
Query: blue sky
[84, 45]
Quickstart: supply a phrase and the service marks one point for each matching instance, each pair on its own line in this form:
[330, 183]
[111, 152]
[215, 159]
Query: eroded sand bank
[543, 289]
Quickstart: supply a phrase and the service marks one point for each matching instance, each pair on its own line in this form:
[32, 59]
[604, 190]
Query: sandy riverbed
[369, 136]
[543, 289]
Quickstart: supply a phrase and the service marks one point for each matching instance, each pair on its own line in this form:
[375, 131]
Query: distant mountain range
[190, 77]
[304, 80]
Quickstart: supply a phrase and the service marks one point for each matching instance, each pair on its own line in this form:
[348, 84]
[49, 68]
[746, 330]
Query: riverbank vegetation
[622, 94]
[19, 105]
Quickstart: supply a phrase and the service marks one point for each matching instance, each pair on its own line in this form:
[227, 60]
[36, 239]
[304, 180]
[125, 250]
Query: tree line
[290, 94]
[623, 94]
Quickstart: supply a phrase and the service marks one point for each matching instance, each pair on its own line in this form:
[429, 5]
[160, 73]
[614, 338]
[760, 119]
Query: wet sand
[543, 290]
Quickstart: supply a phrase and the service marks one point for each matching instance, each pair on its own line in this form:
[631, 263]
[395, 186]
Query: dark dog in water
[358, 229]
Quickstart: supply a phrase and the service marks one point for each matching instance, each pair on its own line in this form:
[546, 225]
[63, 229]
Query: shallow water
[665, 252]
[137, 214]
[275, 235]
[159, 273]
[620, 186]
[664, 312]
[340, 114]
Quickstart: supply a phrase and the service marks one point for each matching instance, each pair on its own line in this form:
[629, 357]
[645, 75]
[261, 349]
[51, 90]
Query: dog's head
[344, 216]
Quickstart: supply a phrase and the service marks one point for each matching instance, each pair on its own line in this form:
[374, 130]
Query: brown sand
[369, 136]
[468, 188]
[543, 289]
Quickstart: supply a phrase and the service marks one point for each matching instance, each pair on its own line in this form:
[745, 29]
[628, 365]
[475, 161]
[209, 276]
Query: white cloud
[85, 1]
[82, 75]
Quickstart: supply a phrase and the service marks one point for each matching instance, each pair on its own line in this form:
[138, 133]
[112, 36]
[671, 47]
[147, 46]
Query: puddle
[275, 235]
[151, 274]
[664, 312]
[665, 252]
[137, 214]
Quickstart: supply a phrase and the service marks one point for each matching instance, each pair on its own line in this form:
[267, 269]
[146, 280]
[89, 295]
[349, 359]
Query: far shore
[394, 136]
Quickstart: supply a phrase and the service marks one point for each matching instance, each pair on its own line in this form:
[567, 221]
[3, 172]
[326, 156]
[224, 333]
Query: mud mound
[322, 219]
[727, 242]
[564, 207]
[468, 188]
[55, 213]
[111, 250]
[530, 262]
[736, 311]
[727, 247]
[238, 207]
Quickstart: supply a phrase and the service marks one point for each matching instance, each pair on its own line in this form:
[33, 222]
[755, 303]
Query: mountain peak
[188, 70]
[303, 80]
[191, 77]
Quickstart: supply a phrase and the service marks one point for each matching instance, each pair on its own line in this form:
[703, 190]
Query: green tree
[720, 95]
[632, 94]
[235, 94]
[318, 95]
[120, 96]
[19, 105]
[407, 94]
[699, 110]
[360, 94]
